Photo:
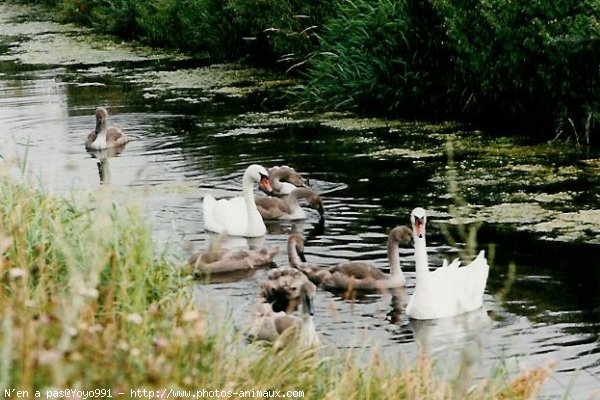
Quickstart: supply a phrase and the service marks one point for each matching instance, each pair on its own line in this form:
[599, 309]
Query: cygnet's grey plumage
[356, 275]
[103, 136]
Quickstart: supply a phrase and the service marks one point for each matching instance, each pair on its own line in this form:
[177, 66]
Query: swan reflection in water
[102, 156]
[297, 226]
[458, 342]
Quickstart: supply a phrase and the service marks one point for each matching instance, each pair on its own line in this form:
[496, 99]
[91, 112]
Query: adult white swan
[449, 290]
[238, 216]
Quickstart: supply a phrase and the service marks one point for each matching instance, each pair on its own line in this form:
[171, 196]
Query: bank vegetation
[525, 66]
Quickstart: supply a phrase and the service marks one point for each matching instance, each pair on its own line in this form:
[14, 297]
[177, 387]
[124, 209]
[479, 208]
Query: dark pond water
[196, 128]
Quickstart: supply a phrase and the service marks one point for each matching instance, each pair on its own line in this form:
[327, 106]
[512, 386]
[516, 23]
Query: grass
[87, 302]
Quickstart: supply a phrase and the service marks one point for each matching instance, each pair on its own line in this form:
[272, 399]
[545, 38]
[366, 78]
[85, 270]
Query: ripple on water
[178, 155]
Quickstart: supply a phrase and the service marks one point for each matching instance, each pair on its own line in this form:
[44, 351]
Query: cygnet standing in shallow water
[105, 137]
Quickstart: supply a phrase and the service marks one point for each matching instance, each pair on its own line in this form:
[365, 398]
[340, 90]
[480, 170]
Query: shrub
[264, 31]
[380, 55]
[532, 63]
[201, 26]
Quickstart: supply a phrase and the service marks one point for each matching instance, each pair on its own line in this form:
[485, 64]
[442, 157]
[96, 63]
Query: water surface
[196, 128]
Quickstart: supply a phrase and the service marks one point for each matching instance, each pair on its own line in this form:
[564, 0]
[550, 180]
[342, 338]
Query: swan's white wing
[455, 263]
[476, 273]
[208, 204]
[450, 290]
[226, 215]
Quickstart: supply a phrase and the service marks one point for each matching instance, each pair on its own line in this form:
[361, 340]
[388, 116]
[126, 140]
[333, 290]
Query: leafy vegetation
[532, 63]
[264, 31]
[526, 64]
[380, 56]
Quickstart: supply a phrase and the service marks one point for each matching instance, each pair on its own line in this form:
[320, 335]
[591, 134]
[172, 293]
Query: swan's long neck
[100, 142]
[293, 257]
[275, 179]
[396, 273]
[421, 259]
[308, 334]
[275, 183]
[299, 193]
[248, 193]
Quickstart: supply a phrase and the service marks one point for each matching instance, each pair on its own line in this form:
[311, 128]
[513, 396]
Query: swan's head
[307, 294]
[259, 174]
[286, 174]
[418, 218]
[101, 117]
[316, 203]
[101, 114]
[402, 235]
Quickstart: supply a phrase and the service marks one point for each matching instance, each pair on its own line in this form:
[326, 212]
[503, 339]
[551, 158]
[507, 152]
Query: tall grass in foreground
[86, 302]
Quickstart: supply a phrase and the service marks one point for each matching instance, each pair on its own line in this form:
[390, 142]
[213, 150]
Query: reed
[378, 56]
[88, 302]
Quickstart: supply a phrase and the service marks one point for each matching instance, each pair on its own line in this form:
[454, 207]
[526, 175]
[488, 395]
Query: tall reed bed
[87, 302]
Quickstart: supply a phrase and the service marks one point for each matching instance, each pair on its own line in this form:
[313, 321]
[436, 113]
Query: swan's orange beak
[419, 227]
[265, 184]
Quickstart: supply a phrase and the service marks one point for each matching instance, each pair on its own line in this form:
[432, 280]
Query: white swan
[238, 216]
[104, 137]
[449, 290]
[357, 275]
[288, 207]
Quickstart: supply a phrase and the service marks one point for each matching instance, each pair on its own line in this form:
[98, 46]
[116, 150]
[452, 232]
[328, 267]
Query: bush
[380, 55]
[199, 26]
[532, 63]
[269, 32]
